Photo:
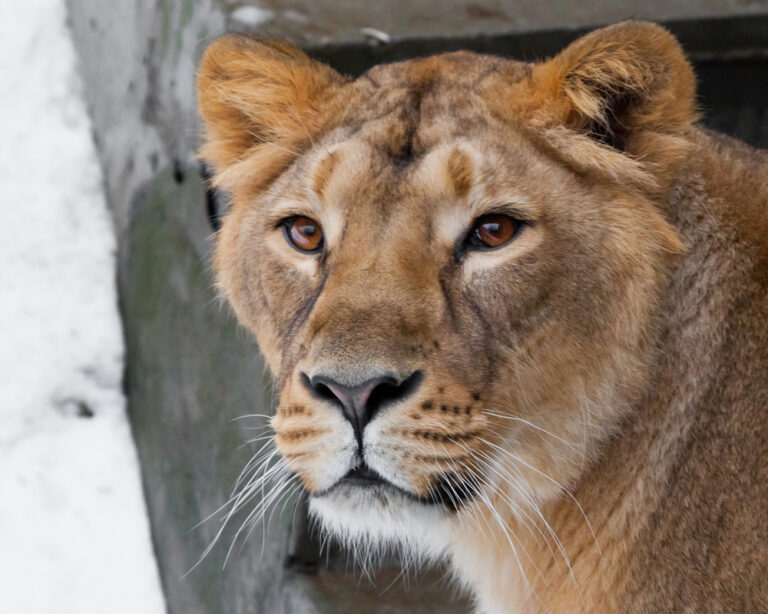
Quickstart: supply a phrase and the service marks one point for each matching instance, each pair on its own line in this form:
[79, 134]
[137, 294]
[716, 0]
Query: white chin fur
[373, 520]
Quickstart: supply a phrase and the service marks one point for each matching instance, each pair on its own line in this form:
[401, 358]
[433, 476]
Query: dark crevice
[214, 210]
[178, 171]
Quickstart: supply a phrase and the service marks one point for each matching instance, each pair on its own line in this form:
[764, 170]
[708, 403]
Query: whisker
[518, 487]
[496, 467]
[551, 479]
[507, 531]
[245, 416]
[537, 427]
[262, 505]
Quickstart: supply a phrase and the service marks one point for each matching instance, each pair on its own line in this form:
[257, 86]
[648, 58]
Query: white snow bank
[74, 536]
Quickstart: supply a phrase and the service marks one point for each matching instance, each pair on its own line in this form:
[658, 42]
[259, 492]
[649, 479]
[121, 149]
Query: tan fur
[603, 378]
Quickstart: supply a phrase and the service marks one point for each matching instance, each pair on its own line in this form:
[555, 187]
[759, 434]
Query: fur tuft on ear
[261, 102]
[626, 88]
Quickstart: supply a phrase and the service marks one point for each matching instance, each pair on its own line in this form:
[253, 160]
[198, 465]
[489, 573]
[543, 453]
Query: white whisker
[537, 427]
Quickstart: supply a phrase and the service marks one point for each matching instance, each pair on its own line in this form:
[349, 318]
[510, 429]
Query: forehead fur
[400, 110]
[419, 103]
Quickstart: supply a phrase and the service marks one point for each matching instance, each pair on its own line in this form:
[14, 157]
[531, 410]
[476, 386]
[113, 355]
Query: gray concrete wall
[138, 61]
[191, 370]
[315, 22]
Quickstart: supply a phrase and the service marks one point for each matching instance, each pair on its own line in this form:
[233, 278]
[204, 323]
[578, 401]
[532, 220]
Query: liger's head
[452, 265]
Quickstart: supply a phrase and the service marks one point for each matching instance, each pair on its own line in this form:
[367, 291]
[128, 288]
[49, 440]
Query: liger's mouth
[365, 477]
[362, 477]
[450, 491]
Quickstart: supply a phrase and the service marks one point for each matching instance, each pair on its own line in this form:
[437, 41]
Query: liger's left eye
[492, 230]
[303, 233]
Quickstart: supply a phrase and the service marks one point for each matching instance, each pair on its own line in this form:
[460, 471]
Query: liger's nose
[360, 403]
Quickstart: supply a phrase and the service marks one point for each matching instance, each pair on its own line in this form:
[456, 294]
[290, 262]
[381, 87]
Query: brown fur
[612, 360]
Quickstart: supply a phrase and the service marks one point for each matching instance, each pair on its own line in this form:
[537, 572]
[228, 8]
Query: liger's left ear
[624, 89]
[619, 81]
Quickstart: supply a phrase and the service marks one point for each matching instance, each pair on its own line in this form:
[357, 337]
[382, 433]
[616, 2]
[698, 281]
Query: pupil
[307, 230]
[493, 228]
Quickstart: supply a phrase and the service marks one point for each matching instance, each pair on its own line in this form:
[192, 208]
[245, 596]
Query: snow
[252, 15]
[73, 525]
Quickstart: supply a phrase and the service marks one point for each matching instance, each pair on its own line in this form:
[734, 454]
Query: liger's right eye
[303, 233]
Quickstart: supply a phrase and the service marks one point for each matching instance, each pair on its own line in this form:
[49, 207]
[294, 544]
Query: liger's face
[436, 297]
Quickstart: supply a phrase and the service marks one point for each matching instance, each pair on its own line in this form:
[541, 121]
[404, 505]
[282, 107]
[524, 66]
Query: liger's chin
[380, 516]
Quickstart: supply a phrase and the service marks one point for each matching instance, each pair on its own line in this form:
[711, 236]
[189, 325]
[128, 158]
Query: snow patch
[73, 525]
[251, 15]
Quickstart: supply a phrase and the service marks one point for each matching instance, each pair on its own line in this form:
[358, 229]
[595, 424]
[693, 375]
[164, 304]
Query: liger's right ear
[262, 103]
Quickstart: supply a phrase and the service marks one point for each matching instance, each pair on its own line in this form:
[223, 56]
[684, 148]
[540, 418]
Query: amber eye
[492, 231]
[303, 233]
